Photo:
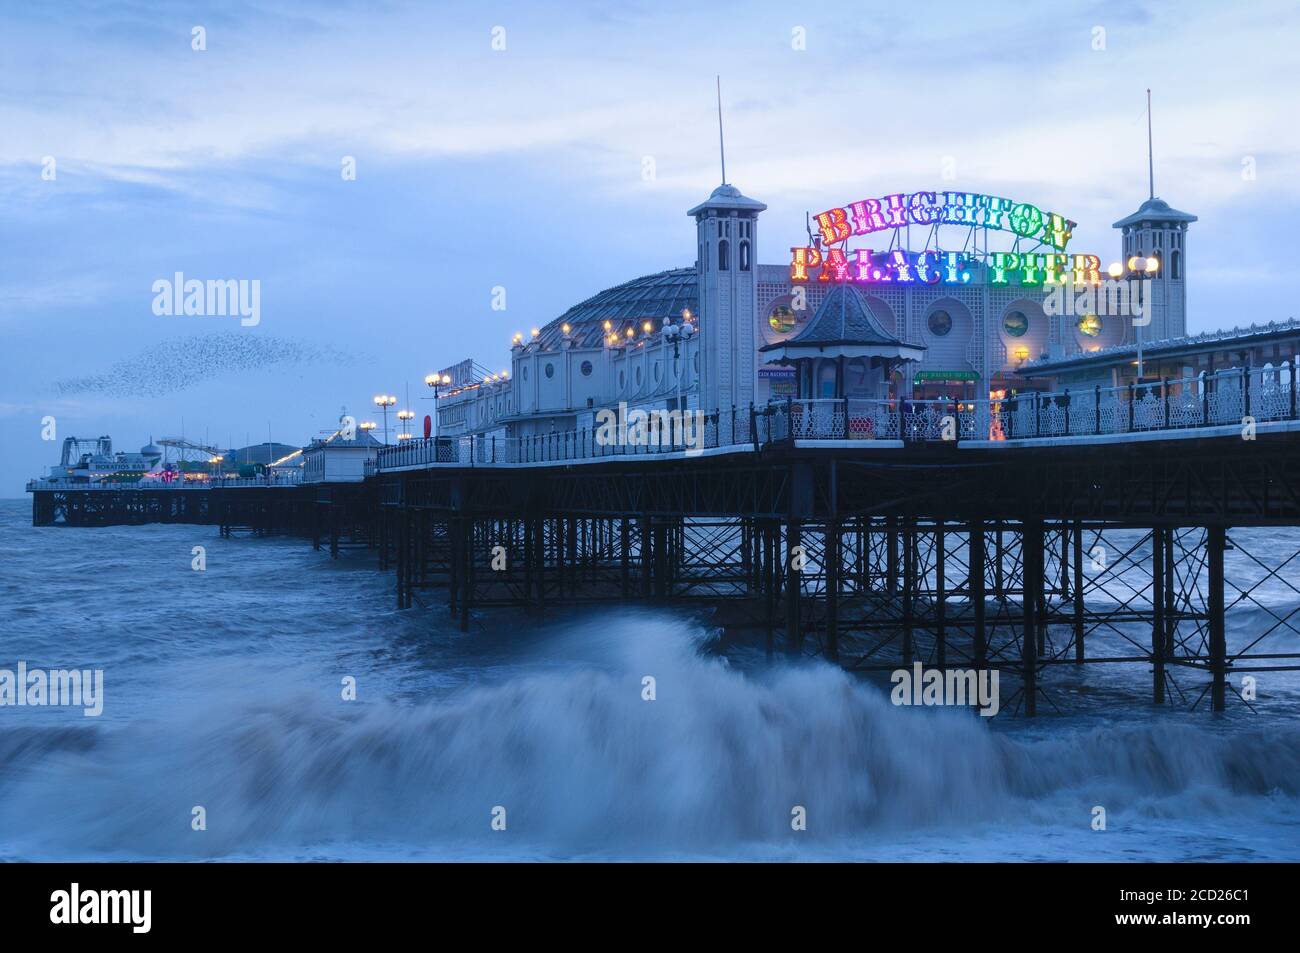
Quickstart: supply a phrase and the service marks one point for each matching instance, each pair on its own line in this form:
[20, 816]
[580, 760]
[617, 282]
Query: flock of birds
[176, 364]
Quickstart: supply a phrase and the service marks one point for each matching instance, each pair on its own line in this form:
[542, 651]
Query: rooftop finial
[1151, 166]
[722, 149]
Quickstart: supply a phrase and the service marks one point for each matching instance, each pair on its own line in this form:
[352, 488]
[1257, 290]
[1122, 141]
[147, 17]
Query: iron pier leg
[467, 570]
[831, 554]
[909, 587]
[833, 572]
[891, 556]
[563, 567]
[1040, 595]
[539, 557]
[1170, 619]
[625, 555]
[401, 561]
[862, 555]
[453, 567]
[746, 554]
[769, 582]
[1158, 615]
[1216, 542]
[793, 585]
[976, 585]
[526, 529]
[647, 555]
[567, 556]
[661, 559]
[1078, 591]
[1031, 559]
[940, 598]
[999, 555]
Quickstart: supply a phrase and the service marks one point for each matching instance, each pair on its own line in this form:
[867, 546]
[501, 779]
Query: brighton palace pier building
[935, 296]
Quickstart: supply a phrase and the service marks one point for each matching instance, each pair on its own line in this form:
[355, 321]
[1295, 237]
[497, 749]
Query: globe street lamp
[404, 416]
[1141, 267]
[677, 335]
[437, 382]
[384, 401]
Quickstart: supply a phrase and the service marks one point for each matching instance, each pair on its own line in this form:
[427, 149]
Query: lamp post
[437, 382]
[404, 416]
[677, 335]
[384, 401]
[1141, 267]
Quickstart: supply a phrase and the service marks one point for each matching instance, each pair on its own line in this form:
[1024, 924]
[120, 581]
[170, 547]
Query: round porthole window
[638, 375]
[622, 380]
[1089, 324]
[781, 319]
[940, 323]
[525, 372]
[550, 371]
[586, 368]
[1015, 324]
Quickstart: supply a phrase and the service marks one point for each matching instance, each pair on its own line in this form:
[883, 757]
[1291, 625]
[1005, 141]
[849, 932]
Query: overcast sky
[523, 167]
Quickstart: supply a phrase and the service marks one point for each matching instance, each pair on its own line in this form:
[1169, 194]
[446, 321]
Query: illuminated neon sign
[942, 267]
[944, 208]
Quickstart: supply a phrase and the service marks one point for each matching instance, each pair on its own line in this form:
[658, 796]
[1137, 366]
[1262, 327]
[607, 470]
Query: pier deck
[961, 553]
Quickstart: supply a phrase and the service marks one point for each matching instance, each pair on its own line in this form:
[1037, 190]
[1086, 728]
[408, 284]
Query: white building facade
[946, 295]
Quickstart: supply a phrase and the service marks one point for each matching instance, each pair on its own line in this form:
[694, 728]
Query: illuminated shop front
[985, 285]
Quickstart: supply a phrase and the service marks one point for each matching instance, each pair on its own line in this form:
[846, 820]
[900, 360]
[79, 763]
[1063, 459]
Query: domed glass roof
[629, 305]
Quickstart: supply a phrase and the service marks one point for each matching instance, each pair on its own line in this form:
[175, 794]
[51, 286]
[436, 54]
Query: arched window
[744, 256]
[1176, 264]
[724, 252]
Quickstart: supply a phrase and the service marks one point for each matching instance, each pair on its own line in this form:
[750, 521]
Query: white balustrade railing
[287, 478]
[1213, 400]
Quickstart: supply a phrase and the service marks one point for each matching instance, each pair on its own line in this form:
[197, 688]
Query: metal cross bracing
[894, 564]
[1153, 555]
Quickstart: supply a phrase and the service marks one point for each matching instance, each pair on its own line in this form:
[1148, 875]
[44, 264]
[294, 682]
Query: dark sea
[223, 691]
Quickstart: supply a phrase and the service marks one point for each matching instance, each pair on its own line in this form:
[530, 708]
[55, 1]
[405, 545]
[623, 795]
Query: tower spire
[722, 149]
[1151, 167]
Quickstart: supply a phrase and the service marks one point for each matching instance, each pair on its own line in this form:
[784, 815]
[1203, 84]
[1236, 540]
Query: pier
[873, 533]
